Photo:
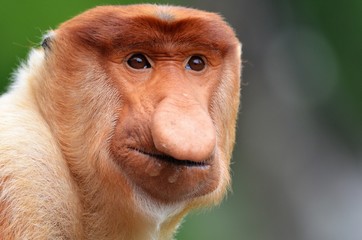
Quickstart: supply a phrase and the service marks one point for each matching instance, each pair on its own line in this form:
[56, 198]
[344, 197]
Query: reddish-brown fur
[124, 134]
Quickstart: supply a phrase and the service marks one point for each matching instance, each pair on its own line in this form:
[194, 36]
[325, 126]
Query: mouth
[171, 160]
[166, 178]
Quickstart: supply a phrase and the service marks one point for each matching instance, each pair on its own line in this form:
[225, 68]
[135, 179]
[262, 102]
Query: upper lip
[169, 159]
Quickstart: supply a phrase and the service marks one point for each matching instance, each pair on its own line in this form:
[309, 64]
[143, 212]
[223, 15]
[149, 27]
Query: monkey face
[165, 140]
[174, 77]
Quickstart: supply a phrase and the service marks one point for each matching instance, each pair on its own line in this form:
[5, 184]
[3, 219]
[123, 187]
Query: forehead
[135, 25]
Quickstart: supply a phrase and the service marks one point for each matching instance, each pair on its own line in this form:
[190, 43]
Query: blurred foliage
[340, 23]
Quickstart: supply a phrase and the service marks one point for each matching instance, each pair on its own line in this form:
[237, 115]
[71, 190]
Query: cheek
[87, 125]
[224, 109]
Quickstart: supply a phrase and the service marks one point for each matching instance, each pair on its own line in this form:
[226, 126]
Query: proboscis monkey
[121, 123]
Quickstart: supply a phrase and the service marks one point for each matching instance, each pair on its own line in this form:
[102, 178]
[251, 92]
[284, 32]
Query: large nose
[183, 129]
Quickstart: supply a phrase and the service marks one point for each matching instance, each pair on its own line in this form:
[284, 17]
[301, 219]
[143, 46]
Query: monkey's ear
[47, 39]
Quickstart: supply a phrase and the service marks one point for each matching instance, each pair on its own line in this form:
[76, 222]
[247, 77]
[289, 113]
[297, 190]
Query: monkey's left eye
[138, 61]
[195, 63]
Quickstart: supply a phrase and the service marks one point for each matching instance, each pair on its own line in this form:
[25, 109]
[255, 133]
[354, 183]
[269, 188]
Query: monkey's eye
[138, 61]
[195, 63]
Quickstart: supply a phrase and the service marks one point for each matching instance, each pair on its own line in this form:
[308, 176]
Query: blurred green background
[297, 169]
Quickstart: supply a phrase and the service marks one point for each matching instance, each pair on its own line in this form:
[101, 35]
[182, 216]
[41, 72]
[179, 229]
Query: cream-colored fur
[38, 198]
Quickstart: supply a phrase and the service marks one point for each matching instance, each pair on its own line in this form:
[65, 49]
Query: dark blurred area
[297, 165]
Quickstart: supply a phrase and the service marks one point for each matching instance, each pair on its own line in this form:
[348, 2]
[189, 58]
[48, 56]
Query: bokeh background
[297, 165]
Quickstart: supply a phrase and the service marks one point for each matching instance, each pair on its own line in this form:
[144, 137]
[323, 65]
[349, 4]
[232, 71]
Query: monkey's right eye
[138, 61]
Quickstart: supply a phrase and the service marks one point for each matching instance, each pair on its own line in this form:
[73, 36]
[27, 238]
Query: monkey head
[145, 98]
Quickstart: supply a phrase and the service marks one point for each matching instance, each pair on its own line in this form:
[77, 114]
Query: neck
[129, 216]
